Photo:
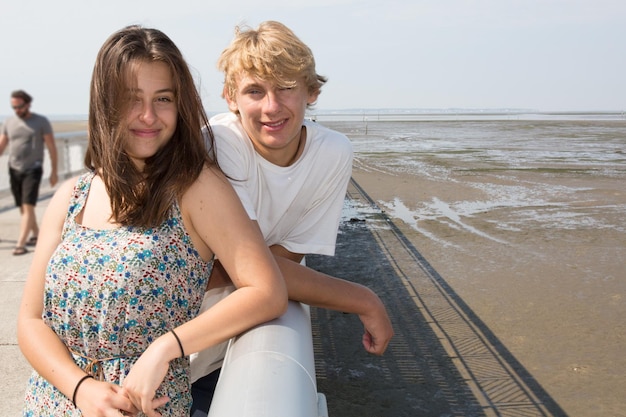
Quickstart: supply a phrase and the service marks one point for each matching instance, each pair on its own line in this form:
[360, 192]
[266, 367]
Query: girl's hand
[147, 374]
[103, 399]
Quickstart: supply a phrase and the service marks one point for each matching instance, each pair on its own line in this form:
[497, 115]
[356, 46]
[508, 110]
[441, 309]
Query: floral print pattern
[110, 293]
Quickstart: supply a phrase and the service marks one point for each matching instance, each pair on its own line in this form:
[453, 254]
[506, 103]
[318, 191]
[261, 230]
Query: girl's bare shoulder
[211, 179]
[65, 191]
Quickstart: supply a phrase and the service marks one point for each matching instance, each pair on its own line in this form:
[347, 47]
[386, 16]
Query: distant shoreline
[64, 126]
[463, 115]
[415, 115]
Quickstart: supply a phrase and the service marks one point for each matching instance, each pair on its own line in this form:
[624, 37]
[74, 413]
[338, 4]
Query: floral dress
[110, 293]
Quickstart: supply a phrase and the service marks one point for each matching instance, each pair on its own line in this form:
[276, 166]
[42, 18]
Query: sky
[544, 55]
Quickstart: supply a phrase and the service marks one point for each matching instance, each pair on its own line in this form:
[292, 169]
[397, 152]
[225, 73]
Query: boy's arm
[320, 290]
[324, 291]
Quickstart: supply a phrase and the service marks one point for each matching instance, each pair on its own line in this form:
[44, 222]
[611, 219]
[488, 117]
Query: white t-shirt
[297, 207]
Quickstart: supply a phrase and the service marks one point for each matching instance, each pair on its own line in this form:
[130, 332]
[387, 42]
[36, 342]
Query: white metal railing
[269, 371]
[71, 148]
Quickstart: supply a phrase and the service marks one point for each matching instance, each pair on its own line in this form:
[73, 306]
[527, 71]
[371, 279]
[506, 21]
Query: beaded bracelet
[180, 345]
[80, 381]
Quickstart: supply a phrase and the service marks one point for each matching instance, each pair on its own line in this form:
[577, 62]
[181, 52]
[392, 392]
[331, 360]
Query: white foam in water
[437, 150]
[398, 209]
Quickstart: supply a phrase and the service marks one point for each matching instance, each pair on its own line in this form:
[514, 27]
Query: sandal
[20, 250]
[32, 241]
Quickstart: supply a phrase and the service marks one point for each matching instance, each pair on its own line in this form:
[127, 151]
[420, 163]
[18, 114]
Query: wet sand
[549, 300]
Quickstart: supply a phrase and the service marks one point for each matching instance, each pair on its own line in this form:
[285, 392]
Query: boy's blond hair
[272, 53]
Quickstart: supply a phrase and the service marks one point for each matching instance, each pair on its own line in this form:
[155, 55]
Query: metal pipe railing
[269, 371]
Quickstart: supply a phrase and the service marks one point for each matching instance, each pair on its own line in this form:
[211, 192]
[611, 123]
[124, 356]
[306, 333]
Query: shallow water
[548, 171]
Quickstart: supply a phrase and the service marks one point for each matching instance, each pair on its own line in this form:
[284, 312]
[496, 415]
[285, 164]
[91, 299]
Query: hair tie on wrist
[180, 345]
[80, 381]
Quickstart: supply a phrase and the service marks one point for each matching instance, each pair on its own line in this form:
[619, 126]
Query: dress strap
[78, 199]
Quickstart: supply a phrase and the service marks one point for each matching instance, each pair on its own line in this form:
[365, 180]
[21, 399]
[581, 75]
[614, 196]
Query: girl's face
[151, 121]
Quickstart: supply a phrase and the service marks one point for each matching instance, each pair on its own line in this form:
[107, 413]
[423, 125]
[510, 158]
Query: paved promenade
[14, 369]
[442, 361]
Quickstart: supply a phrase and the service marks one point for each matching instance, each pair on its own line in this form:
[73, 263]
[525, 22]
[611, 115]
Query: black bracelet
[76, 388]
[180, 345]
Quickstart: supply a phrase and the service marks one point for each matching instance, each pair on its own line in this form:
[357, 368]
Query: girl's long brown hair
[144, 198]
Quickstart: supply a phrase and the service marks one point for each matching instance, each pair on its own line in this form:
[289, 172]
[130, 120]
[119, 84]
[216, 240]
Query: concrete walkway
[14, 369]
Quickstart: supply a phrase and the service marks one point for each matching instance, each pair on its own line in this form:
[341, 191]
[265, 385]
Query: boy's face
[271, 116]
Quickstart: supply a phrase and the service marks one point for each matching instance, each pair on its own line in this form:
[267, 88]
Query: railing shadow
[442, 361]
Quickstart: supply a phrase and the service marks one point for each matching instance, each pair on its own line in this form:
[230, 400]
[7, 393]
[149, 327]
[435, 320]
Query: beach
[535, 248]
[64, 126]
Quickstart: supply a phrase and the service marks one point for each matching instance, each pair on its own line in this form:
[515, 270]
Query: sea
[559, 170]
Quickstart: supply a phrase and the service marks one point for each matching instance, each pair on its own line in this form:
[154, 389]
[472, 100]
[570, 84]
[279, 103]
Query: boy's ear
[313, 95]
[232, 104]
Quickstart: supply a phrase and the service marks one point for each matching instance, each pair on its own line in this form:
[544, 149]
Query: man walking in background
[25, 134]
